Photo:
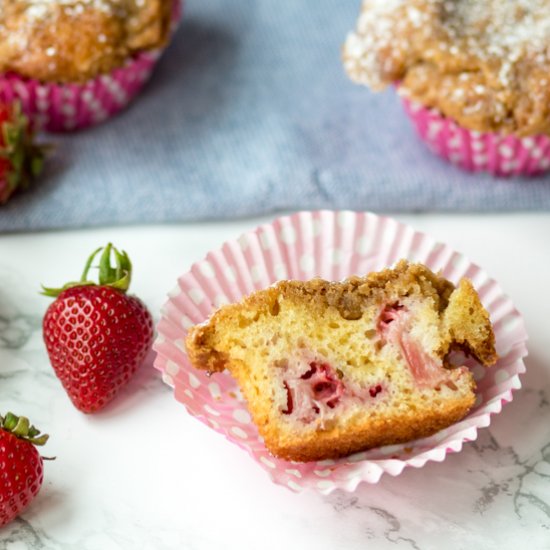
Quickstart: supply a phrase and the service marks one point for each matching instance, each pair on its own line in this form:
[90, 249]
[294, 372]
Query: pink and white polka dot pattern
[66, 107]
[498, 154]
[332, 245]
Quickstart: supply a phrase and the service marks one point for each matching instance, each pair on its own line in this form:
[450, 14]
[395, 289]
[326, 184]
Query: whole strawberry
[21, 466]
[96, 335]
[20, 159]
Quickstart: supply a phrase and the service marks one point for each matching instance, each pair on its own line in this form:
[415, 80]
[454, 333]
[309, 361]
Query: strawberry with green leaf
[96, 334]
[20, 159]
[21, 466]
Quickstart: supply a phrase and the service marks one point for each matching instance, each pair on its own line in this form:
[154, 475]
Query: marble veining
[496, 483]
[15, 331]
[22, 531]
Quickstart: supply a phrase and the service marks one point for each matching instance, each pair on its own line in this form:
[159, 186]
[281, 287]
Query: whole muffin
[474, 76]
[73, 63]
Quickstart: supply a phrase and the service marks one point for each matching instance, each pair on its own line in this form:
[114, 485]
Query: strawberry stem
[118, 277]
[106, 273]
[22, 428]
[89, 265]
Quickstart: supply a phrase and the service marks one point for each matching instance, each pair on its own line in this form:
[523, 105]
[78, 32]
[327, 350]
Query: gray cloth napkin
[249, 111]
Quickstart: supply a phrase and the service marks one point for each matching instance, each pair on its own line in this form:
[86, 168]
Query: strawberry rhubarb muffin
[332, 368]
[474, 76]
[73, 63]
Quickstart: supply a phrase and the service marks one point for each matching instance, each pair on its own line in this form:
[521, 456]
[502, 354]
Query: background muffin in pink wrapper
[73, 106]
[498, 154]
[332, 245]
[474, 76]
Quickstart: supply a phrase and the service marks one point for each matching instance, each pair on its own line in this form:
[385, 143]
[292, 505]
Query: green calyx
[26, 159]
[117, 277]
[21, 428]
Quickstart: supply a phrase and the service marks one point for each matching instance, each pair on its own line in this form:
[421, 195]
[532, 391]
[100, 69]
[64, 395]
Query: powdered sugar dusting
[39, 9]
[506, 30]
[62, 41]
[501, 32]
[375, 32]
[21, 21]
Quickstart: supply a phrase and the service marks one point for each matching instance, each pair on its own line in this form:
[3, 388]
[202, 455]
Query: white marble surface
[145, 475]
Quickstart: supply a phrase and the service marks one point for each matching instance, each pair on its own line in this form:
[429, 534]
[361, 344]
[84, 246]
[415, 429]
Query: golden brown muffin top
[485, 63]
[349, 298]
[76, 40]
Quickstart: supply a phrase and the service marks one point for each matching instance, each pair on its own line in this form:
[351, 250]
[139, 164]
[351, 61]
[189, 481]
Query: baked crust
[484, 64]
[339, 442]
[77, 40]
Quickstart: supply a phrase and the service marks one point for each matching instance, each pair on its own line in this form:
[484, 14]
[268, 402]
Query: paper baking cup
[332, 245]
[498, 154]
[66, 107]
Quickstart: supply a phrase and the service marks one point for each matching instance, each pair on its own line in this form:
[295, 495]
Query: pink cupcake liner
[66, 107]
[332, 245]
[498, 154]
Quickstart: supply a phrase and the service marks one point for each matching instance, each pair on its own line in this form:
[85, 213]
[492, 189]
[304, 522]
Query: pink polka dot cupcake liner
[67, 107]
[498, 154]
[331, 245]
